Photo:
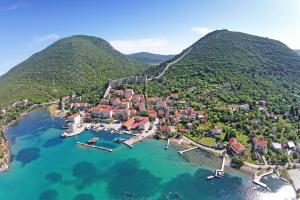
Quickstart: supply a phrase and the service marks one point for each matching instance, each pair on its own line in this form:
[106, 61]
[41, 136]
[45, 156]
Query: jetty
[257, 181]
[187, 150]
[219, 173]
[139, 138]
[167, 145]
[93, 146]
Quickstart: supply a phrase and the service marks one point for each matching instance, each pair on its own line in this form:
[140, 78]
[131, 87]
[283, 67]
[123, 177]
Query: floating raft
[94, 147]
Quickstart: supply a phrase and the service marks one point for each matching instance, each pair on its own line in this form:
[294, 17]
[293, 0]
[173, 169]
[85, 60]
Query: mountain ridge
[151, 58]
[245, 66]
[69, 64]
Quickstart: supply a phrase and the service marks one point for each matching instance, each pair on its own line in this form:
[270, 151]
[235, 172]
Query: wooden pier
[187, 150]
[94, 147]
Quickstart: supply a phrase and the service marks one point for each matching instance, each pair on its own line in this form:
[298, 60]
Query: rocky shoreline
[4, 144]
[5, 156]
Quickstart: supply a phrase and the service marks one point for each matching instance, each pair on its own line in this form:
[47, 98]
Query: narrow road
[168, 65]
[48, 103]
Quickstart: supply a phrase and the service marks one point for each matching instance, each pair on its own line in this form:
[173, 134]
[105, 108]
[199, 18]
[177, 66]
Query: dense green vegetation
[229, 68]
[238, 68]
[150, 58]
[71, 64]
[237, 162]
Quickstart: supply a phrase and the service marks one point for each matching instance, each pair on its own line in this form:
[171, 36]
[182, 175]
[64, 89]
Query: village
[127, 112]
[124, 111]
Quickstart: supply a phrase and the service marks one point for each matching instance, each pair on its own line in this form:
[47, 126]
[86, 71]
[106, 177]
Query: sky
[156, 26]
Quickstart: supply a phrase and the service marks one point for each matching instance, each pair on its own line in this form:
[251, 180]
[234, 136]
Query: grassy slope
[68, 64]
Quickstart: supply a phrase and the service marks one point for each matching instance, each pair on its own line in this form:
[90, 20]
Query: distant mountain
[234, 67]
[298, 52]
[150, 58]
[74, 63]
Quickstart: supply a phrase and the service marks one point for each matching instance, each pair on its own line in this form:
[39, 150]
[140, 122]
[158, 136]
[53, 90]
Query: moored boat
[93, 140]
[120, 140]
[210, 177]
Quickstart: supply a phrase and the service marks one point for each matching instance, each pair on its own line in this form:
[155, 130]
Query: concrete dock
[94, 147]
[219, 173]
[257, 181]
[168, 144]
[187, 150]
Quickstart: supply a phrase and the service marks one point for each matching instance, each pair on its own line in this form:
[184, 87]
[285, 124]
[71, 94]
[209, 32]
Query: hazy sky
[157, 26]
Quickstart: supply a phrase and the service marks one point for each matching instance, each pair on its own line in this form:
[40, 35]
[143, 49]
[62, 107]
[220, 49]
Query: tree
[60, 104]
[237, 162]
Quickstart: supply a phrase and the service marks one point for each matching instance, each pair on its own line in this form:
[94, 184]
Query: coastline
[186, 143]
[4, 143]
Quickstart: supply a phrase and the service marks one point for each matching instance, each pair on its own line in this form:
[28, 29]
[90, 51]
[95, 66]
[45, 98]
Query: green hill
[235, 68]
[150, 58]
[73, 63]
[298, 52]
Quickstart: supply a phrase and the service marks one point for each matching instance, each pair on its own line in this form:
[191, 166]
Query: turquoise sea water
[46, 167]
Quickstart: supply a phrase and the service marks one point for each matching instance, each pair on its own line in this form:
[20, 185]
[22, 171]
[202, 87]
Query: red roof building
[165, 129]
[162, 121]
[174, 95]
[236, 147]
[80, 106]
[129, 123]
[260, 145]
[115, 102]
[136, 98]
[152, 113]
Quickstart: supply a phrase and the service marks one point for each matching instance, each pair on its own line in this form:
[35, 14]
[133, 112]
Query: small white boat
[210, 177]
[93, 140]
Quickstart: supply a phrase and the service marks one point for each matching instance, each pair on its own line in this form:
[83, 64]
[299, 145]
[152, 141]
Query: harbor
[94, 146]
[108, 172]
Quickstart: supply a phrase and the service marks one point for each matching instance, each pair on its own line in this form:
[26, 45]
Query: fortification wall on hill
[128, 80]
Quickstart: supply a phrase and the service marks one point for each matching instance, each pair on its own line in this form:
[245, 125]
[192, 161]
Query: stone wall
[128, 80]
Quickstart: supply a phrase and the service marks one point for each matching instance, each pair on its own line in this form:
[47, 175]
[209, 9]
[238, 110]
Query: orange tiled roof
[237, 147]
[129, 122]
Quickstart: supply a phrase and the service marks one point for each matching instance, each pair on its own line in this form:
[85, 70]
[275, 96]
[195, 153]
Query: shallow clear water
[46, 167]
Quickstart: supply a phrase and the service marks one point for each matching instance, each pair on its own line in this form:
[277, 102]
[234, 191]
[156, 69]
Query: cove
[46, 167]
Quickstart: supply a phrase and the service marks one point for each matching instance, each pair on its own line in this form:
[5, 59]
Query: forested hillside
[71, 64]
[150, 58]
[248, 86]
[236, 68]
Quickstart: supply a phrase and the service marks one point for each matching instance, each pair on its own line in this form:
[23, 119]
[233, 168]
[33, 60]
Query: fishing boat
[93, 140]
[210, 177]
